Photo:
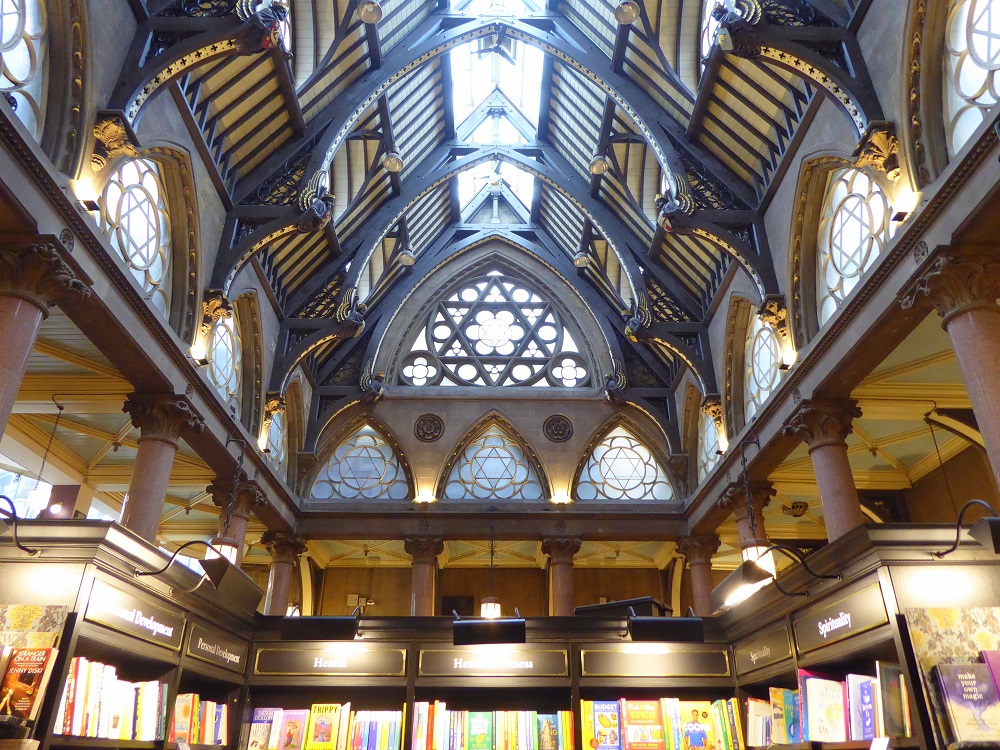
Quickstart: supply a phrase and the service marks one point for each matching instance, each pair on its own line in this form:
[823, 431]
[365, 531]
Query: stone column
[285, 550]
[749, 510]
[699, 550]
[560, 551]
[824, 425]
[964, 291]
[161, 421]
[424, 550]
[33, 278]
[237, 503]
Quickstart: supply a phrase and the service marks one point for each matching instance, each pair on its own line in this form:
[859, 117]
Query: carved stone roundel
[558, 428]
[428, 427]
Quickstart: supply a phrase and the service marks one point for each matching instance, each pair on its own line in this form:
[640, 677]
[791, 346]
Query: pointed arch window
[363, 467]
[493, 467]
[225, 360]
[971, 72]
[22, 60]
[495, 331]
[708, 445]
[854, 229]
[622, 468]
[277, 443]
[134, 213]
[763, 358]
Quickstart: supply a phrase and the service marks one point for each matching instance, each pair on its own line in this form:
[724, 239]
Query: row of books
[661, 724]
[199, 722]
[95, 703]
[325, 726]
[24, 674]
[970, 694]
[436, 727]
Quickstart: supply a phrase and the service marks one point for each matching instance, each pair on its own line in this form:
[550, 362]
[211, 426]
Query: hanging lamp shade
[598, 165]
[489, 608]
[393, 162]
[370, 11]
[627, 12]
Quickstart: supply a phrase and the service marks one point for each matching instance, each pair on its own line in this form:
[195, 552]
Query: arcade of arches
[380, 296]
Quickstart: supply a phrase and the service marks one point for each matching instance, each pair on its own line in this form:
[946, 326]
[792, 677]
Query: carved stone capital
[274, 402]
[243, 498]
[735, 498]
[774, 313]
[712, 406]
[214, 306]
[822, 422]
[957, 284]
[284, 547]
[423, 549]
[162, 417]
[561, 549]
[879, 149]
[34, 271]
[113, 137]
[698, 549]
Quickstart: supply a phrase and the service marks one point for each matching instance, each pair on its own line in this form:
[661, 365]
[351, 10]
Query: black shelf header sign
[834, 620]
[134, 616]
[218, 649]
[647, 660]
[349, 659]
[763, 650]
[493, 661]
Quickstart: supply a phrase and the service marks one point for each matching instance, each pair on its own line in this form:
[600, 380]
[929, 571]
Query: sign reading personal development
[838, 618]
[763, 650]
[494, 662]
[121, 611]
[349, 659]
[217, 648]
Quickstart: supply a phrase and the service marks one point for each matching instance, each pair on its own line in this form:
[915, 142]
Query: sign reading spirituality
[763, 650]
[217, 648]
[839, 617]
[132, 615]
[494, 662]
[349, 659]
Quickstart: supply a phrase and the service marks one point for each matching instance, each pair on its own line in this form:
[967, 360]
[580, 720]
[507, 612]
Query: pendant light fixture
[370, 11]
[627, 12]
[489, 606]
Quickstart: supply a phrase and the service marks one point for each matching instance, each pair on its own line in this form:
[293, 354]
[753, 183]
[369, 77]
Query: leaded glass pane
[763, 357]
[971, 65]
[708, 445]
[495, 331]
[224, 358]
[22, 60]
[622, 468]
[493, 467]
[277, 443]
[855, 228]
[363, 467]
[134, 213]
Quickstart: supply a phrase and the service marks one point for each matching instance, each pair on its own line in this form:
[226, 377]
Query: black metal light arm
[12, 516]
[800, 559]
[174, 557]
[958, 525]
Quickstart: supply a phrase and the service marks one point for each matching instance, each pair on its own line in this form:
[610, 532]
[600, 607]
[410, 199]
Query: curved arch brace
[758, 268]
[231, 260]
[640, 107]
[700, 367]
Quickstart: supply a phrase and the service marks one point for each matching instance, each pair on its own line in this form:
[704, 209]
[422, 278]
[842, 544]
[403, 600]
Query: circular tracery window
[224, 358]
[495, 331]
[134, 213]
[22, 60]
[971, 65]
[708, 445]
[763, 356]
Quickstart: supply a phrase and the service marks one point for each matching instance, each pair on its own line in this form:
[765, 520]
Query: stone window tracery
[363, 467]
[134, 213]
[277, 443]
[971, 72]
[622, 468]
[22, 60]
[493, 467]
[854, 229]
[762, 360]
[495, 331]
[708, 445]
[224, 356]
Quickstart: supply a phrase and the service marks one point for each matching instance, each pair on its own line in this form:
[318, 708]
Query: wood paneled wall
[968, 475]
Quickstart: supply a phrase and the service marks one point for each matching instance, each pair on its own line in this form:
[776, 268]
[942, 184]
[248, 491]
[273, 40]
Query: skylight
[472, 181]
[496, 129]
[496, 62]
[491, 7]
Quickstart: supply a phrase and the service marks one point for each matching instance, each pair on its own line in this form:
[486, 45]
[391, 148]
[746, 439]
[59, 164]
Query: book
[324, 727]
[181, 723]
[890, 720]
[588, 734]
[274, 738]
[548, 731]
[641, 726]
[793, 718]
[972, 702]
[24, 681]
[479, 730]
[607, 725]
[260, 728]
[293, 729]
[861, 706]
[804, 675]
[696, 725]
[824, 701]
[779, 729]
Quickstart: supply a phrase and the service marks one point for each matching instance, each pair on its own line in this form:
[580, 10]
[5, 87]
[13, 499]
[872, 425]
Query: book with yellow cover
[324, 726]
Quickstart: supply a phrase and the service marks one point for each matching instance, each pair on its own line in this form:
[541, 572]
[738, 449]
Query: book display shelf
[248, 682]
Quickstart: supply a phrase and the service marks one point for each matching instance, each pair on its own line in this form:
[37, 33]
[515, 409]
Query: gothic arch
[492, 419]
[691, 419]
[339, 432]
[296, 419]
[740, 311]
[65, 137]
[649, 438]
[251, 401]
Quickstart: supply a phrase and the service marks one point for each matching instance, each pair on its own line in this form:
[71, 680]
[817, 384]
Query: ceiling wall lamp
[581, 259]
[406, 256]
[370, 11]
[985, 531]
[599, 164]
[743, 582]
[627, 12]
[393, 162]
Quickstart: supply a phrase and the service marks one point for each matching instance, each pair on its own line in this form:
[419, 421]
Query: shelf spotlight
[986, 531]
[743, 582]
[488, 632]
